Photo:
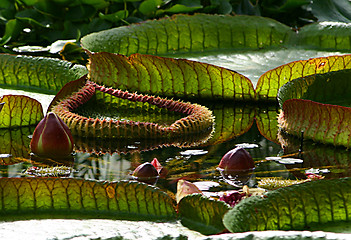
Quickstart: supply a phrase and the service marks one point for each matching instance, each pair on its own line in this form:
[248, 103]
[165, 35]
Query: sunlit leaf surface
[168, 77]
[183, 33]
[295, 207]
[270, 82]
[41, 74]
[19, 111]
[71, 198]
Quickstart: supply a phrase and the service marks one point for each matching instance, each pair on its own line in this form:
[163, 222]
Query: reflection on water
[239, 125]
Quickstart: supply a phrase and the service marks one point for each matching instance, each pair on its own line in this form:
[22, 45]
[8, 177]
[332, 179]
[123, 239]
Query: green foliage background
[40, 22]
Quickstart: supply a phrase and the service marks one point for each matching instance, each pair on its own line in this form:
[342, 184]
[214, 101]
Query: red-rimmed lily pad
[308, 106]
[270, 82]
[168, 77]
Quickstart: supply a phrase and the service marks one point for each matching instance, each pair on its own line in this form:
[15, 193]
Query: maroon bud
[237, 159]
[146, 172]
[52, 138]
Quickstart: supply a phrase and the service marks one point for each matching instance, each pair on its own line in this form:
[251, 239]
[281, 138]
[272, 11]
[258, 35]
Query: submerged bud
[52, 138]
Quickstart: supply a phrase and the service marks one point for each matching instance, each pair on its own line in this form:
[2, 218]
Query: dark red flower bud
[146, 172]
[237, 159]
[52, 138]
[236, 167]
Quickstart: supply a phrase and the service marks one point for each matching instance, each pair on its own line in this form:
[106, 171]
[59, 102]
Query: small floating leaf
[193, 152]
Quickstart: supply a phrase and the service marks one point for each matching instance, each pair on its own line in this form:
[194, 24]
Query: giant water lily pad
[296, 207]
[38, 197]
[183, 33]
[308, 105]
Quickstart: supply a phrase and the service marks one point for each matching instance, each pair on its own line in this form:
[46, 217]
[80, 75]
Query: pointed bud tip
[52, 138]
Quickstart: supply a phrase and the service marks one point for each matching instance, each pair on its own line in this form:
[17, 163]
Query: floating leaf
[72, 198]
[296, 207]
[168, 77]
[20, 111]
[202, 214]
[321, 122]
[183, 33]
[326, 36]
[41, 74]
[270, 82]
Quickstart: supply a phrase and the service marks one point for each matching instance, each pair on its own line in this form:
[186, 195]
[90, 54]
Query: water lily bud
[157, 165]
[237, 159]
[52, 138]
[146, 172]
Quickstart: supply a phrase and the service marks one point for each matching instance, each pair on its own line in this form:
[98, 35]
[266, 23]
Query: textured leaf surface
[324, 123]
[326, 36]
[20, 111]
[71, 198]
[332, 87]
[168, 77]
[37, 73]
[202, 214]
[320, 122]
[270, 82]
[183, 33]
[293, 208]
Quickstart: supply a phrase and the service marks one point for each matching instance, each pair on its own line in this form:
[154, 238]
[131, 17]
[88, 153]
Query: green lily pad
[298, 207]
[308, 106]
[202, 214]
[19, 111]
[72, 198]
[40, 74]
[183, 33]
[168, 77]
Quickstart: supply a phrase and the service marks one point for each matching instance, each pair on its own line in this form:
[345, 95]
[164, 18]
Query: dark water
[192, 158]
